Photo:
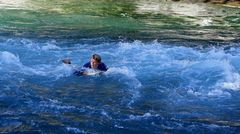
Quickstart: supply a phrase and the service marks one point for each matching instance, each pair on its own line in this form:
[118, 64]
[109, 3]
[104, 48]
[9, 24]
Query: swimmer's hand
[80, 73]
[66, 61]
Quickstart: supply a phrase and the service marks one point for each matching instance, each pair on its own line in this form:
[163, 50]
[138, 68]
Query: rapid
[150, 87]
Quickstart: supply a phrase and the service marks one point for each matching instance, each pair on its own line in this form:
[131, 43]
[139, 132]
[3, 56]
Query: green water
[141, 19]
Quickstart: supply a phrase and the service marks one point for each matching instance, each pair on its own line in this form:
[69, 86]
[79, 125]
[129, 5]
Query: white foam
[232, 82]
[9, 58]
[190, 91]
[29, 44]
[231, 85]
[54, 104]
[123, 70]
[125, 46]
[144, 116]
[33, 45]
[117, 126]
[50, 46]
[75, 130]
[10, 62]
[62, 70]
[59, 71]
[206, 22]
[218, 93]
[231, 79]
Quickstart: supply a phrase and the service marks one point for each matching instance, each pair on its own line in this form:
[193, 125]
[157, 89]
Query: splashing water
[149, 87]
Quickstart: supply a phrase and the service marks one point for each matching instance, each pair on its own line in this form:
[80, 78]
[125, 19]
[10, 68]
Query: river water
[151, 86]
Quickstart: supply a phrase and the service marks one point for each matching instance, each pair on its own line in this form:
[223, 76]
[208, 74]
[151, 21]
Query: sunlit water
[140, 19]
[149, 88]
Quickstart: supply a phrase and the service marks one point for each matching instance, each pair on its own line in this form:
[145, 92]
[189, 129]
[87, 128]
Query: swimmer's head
[96, 57]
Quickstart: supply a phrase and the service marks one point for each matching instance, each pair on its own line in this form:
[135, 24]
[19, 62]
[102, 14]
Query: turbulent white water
[162, 87]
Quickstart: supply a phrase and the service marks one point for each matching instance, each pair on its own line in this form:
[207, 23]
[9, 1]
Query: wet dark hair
[96, 57]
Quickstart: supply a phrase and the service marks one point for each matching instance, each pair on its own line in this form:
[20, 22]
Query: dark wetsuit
[101, 67]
